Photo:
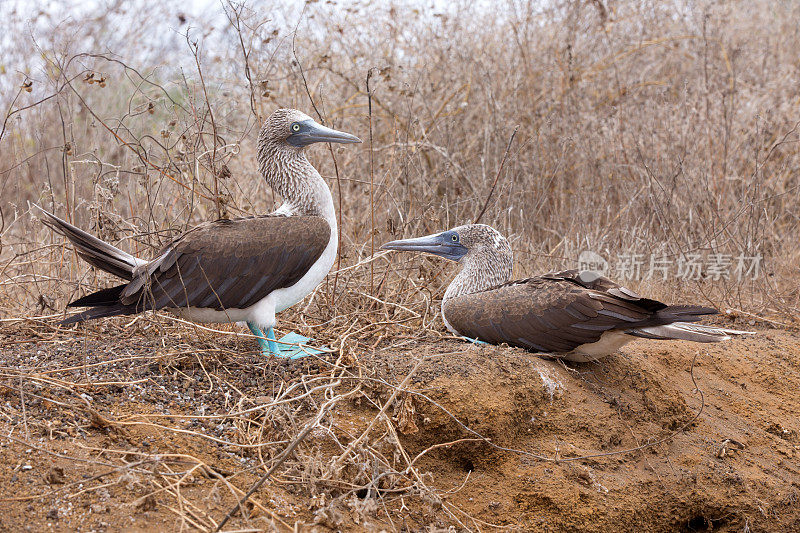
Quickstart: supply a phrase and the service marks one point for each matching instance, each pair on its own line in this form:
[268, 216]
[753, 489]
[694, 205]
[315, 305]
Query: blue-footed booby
[238, 270]
[575, 315]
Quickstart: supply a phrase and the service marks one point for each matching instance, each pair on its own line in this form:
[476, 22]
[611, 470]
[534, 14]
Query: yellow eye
[455, 237]
[295, 127]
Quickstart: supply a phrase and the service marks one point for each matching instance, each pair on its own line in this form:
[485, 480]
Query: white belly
[284, 298]
[263, 311]
[610, 342]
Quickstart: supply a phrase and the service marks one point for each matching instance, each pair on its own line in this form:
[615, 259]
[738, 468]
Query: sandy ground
[534, 444]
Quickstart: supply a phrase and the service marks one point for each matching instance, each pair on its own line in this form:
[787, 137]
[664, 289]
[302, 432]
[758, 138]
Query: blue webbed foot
[301, 349]
[290, 346]
[477, 342]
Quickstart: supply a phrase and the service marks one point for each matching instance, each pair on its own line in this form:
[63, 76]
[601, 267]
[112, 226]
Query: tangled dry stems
[295, 436]
[642, 127]
[266, 432]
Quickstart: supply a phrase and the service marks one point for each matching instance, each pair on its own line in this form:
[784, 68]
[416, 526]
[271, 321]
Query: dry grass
[666, 127]
[642, 127]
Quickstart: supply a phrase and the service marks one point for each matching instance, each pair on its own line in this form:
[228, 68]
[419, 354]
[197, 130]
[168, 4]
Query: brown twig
[496, 177]
[371, 185]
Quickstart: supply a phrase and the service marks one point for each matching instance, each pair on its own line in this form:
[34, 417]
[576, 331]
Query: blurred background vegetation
[648, 127]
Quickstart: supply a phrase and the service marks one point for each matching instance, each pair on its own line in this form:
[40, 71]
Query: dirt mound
[148, 432]
[723, 458]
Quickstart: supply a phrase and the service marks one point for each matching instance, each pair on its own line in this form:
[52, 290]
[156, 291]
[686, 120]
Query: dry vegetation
[666, 127]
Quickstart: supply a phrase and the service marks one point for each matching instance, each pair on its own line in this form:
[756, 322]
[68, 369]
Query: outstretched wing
[554, 313]
[228, 264]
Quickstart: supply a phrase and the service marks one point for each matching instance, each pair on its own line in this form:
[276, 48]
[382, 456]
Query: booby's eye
[296, 127]
[454, 237]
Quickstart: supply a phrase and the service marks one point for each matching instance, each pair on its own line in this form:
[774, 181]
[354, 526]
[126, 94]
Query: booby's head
[472, 240]
[283, 163]
[484, 254]
[293, 129]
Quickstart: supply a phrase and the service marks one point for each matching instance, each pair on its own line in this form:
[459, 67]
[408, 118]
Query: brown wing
[552, 313]
[229, 264]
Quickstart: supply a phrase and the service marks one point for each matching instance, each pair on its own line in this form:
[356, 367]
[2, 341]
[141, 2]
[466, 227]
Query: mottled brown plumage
[558, 312]
[488, 261]
[578, 314]
[278, 160]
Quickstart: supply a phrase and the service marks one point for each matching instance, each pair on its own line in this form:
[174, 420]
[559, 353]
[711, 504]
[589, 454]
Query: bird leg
[265, 341]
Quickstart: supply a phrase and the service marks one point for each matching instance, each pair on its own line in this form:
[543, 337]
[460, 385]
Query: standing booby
[238, 270]
[580, 315]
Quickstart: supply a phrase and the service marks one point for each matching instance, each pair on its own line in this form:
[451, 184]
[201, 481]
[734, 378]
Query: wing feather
[553, 313]
[229, 263]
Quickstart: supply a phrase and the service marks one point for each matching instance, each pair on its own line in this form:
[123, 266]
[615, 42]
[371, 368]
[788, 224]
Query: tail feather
[688, 332]
[685, 313]
[101, 298]
[96, 252]
[677, 322]
[100, 312]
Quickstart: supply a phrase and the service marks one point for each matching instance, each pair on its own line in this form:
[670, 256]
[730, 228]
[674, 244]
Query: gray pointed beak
[437, 244]
[311, 132]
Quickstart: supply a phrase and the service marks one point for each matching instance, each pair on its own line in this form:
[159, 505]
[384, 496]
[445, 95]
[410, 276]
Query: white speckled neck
[488, 263]
[294, 178]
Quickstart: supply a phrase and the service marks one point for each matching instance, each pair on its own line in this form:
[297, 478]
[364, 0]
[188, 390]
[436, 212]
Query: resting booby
[239, 270]
[579, 315]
